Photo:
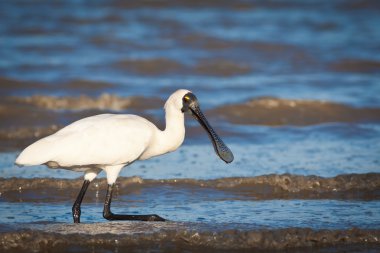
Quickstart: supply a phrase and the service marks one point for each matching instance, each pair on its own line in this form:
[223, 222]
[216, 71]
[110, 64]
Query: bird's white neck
[174, 132]
[171, 138]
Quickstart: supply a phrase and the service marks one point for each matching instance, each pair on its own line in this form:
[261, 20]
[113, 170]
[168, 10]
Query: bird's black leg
[107, 214]
[78, 201]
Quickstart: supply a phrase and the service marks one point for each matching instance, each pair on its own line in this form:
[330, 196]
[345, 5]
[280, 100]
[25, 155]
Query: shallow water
[291, 86]
[190, 206]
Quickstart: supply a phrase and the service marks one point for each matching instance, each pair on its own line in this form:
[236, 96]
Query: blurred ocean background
[291, 86]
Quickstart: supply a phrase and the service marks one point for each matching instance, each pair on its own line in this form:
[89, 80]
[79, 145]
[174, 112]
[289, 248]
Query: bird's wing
[102, 139]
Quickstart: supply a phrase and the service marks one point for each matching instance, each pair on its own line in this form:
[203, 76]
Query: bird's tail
[36, 154]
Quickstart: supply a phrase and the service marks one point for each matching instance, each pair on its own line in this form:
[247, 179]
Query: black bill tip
[226, 156]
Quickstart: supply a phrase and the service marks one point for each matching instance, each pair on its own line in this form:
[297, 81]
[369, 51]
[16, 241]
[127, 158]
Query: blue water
[58, 42]
[316, 214]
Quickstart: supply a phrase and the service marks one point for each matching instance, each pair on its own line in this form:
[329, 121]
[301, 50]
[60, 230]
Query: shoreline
[176, 236]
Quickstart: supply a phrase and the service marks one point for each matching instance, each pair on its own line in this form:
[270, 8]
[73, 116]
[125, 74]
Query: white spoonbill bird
[110, 142]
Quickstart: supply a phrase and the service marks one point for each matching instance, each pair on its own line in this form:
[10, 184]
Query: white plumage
[110, 142]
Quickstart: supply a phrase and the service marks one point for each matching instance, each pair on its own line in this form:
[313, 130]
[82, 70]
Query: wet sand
[180, 237]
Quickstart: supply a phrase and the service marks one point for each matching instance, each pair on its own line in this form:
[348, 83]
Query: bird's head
[188, 102]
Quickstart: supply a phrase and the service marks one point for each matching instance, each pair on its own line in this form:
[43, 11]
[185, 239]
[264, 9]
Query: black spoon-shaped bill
[220, 148]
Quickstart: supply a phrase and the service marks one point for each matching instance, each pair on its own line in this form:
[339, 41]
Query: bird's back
[101, 139]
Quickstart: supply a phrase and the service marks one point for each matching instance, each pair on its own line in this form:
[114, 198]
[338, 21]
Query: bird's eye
[186, 98]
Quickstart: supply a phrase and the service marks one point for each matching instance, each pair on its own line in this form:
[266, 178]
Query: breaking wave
[286, 186]
[277, 112]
